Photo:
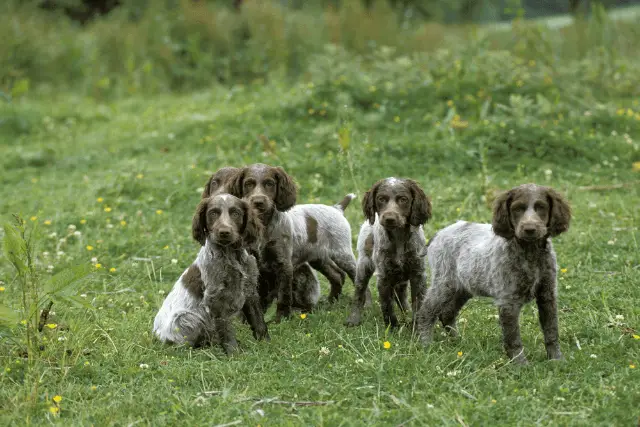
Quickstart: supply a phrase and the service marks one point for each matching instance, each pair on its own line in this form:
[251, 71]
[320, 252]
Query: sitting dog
[511, 260]
[391, 243]
[221, 282]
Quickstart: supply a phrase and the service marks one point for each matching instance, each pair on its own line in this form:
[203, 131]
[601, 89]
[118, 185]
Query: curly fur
[512, 261]
[391, 243]
[220, 283]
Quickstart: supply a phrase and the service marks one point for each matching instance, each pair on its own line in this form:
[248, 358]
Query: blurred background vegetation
[112, 48]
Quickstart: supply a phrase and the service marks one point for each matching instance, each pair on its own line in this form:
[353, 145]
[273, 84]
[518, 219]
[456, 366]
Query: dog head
[398, 203]
[530, 212]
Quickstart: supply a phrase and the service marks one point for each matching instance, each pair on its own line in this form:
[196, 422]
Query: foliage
[186, 45]
[19, 247]
[114, 164]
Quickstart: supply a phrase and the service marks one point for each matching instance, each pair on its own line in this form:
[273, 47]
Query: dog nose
[529, 230]
[224, 234]
[389, 221]
[258, 203]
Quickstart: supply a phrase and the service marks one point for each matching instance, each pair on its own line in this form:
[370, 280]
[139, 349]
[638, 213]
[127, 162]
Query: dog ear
[421, 206]
[559, 213]
[236, 183]
[252, 226]
[286, 191]
[199, 223]
[207, 188]
[501, 221]
[369, 203]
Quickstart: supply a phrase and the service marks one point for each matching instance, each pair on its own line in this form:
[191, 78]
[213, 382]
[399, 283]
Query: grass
[127, 175]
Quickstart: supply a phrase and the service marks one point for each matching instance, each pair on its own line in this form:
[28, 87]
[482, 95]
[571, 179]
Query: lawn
[114, 183]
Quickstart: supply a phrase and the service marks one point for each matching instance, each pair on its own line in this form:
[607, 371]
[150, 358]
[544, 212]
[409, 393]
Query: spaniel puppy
[511, 260]
[271, 192]
[318, 228]
[322, 237]
[221, 282]
[391, 243]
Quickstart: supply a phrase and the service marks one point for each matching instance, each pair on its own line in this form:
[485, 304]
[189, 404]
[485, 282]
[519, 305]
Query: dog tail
[342, 204]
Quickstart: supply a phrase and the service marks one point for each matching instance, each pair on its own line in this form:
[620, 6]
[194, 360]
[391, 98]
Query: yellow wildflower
[107, 209]
[396, 119]
[89, 247]
[51, 325]
[123, 223]
[93, 388]
[386, 345]
[311, 111]
[57, 398]
[83, 221]
[86, 363]
[23, 322]
[460, 354]
[303, 316]
[34, 180]
[47, 222]
[112, 270]
[629, 112]
[494, 401]
[33, 218]
[139, 176]
[636, 337]
[450, 103]
[563, 270]
[159, 212]
[1, 288]
[632, 366]
[98, 265]
[100, 200]
[54, 410]
[166, 247]
[636, 166]
[620, 111]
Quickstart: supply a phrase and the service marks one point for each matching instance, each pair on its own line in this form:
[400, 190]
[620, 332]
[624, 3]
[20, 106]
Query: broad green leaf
[14, 248]
[8, 315]
[64, 280]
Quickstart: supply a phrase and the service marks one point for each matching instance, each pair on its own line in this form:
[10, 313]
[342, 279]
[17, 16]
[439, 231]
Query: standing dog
[511, 260]
[391, 243]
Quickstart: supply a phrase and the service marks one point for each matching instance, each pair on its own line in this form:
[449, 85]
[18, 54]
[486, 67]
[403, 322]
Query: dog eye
[518, 209]
[402, 199]
[214, 214]
[382, 199]
[248, 184]
[235, 214]
[269, 184]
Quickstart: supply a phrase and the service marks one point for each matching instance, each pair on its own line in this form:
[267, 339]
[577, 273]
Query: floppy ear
[252, 226]
[501, 221]
[236, 183]
[199, 224]
[559, 213]
[421, 206]
[369, 203]
[287, 191]
[207, 188]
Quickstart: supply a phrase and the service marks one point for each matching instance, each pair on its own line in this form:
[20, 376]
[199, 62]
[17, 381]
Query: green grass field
[115, 183]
